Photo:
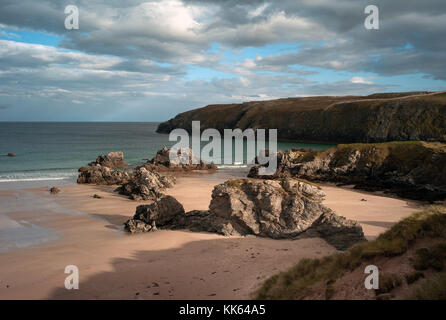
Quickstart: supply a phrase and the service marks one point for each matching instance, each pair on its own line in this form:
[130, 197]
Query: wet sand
[163, 264]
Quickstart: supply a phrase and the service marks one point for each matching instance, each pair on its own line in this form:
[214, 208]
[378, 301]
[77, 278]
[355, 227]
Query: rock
[338, 231]
[186, 161]
[411, 169]
[268, 208]
[96, 196]
[103, 171]
[137, 226]
[102, 175]
[146, 185]
[162, 212]
[54, 190]
[10, 154]
[111, 160]
[279, 209]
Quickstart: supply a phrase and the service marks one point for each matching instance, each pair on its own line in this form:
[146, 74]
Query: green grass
[431, 258]
[297, 281]
[432, 289]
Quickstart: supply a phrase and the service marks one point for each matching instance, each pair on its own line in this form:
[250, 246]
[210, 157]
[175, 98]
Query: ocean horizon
[53, 151]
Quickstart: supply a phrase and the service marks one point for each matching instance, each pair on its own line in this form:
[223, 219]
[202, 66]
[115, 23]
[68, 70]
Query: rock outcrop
[374, 118]
[276, 209]
[54, 190]
[146, 185]
[103, 171]
[186, 161]
[162, 213]
[110, 160]
[103, 175]
[415, 170]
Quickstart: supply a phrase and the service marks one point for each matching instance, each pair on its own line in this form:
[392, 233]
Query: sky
[150, 60]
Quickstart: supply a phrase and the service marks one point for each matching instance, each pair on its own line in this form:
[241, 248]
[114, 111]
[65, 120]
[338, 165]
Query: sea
[53, 151]
[50, 153]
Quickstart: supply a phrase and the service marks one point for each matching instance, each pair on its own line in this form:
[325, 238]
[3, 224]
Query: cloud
[360, 80]
[139, 54]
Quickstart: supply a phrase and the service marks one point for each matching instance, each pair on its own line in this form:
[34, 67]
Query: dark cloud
[138, 53]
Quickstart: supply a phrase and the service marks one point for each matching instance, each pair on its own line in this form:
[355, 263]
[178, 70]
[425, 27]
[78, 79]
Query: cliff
[374, 118]
[411, 169]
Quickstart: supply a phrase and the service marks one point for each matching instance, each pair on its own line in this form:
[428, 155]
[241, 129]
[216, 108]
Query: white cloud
[360, 80]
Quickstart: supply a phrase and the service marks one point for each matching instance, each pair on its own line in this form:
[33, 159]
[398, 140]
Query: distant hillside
[375, 118]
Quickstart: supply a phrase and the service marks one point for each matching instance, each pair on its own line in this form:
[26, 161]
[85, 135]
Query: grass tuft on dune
[297, 282]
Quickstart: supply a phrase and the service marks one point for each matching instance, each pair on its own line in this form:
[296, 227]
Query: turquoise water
[55, 150]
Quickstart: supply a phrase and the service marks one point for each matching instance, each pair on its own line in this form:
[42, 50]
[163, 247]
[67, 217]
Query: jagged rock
[138, 226]
[96, 196]
[277, 209]
[111, 160]
[186, 161]
[54, 190]
[103, 172]
[146, 185]
[415, 170]
[280, 209]
[102, 175]
[162, 212]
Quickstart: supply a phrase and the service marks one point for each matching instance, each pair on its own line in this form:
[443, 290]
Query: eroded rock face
[110, 160]
[103, 175]
[268, 208]
[146, 185]
[415, 170]
[186, 161]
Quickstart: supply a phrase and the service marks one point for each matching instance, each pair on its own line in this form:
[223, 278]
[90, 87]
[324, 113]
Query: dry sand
[160, 265]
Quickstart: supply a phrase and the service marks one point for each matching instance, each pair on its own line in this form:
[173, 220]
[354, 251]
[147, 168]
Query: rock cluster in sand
[103, 175]
[410, 169]
[146, 185]
[110, 160]
[144, 182]
[277, 209]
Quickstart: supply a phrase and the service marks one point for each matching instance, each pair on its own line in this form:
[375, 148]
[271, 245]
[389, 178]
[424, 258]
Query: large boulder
[186, 161]
[110, 160]
[276, 209]
[103, 171]
[103, 175]
[160, 213]
[146, 185]
[286, 208]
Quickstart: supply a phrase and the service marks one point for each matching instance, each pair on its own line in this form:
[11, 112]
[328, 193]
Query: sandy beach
[87, 232]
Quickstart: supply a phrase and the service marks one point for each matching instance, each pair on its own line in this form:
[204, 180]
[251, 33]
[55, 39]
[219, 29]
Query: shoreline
[165, 264]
